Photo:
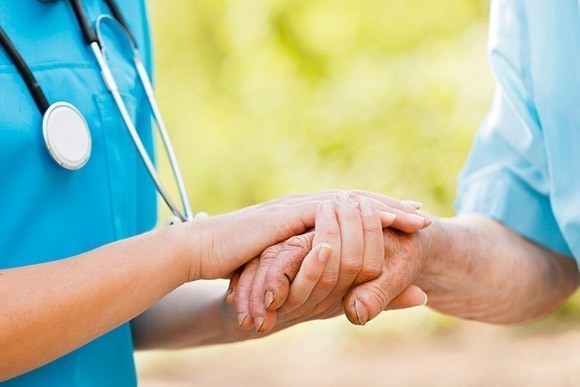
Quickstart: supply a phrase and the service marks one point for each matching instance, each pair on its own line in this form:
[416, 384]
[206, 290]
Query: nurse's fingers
[374, 244]
[406, 222]
[409, 218]
[327, 231]
[242, 294]
[405, 206]
[352, 255]
[287, 264]
[411, 297]
[232, 287]
[309, 274]
[352, 243]
[284, 269]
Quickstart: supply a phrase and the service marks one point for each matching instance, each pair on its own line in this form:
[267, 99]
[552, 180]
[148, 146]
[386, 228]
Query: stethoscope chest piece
[67, 135]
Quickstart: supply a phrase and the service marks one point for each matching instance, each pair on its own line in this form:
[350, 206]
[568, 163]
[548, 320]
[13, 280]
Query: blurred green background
[265, 98]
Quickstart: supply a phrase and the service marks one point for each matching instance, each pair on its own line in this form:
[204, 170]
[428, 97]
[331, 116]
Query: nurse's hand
[348, 250]
[224, 243]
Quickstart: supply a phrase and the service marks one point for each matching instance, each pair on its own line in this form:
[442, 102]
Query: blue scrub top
[49, 213]
[524, 166]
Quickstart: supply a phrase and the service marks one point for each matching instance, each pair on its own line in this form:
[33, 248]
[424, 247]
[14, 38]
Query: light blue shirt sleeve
[508, 173]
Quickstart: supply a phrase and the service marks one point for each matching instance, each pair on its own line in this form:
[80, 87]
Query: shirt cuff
[505, 198]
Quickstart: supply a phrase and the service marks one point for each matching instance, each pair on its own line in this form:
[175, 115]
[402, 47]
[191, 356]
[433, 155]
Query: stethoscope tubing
[147, 85]
[29, 78]
[114, 90]
[118, 15]
[94, 40]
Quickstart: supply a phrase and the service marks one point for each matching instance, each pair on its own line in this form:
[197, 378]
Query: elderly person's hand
[348, 250]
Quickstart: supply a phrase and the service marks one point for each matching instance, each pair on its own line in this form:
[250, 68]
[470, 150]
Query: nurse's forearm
[479, 269]
[50, 309]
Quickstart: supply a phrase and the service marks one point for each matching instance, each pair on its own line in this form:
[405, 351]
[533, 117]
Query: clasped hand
[356, 260]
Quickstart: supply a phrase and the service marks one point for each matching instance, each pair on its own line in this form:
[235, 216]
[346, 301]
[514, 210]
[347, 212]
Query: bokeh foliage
[266, 98]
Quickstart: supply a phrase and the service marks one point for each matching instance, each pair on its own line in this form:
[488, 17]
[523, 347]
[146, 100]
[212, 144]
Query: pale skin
[470, 266]
[51, 309]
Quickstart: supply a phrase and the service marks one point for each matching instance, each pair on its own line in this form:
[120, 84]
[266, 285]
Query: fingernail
[417, 219]
[361, 315]
[426, 300]
[413, 203]
[325, 251]
[269, 298]
[387, 216]
[426, 216]
[366, 208]
[241, 318]
[259, 323]
[343, 198]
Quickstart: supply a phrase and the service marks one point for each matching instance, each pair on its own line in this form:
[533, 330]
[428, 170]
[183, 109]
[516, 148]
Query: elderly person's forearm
[478, 269]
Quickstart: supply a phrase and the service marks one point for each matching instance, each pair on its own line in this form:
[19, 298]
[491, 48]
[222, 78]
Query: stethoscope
[65, 130]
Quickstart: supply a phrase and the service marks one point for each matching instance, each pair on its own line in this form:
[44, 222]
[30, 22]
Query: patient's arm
[475, 268]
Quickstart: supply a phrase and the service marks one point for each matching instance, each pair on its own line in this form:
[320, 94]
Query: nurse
[83, 278]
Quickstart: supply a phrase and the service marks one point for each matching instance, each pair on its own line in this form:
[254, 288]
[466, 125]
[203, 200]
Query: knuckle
[275, 273]
[299, 243]
[348, 214]
[270, 253]
[252, 265]
[328, 305]
[372, 225]
[351, 267]
[371, 272]
[328, 234]
[320, 308]
[288, 267]
[293, 300]
[328, 280]
[311, 276]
